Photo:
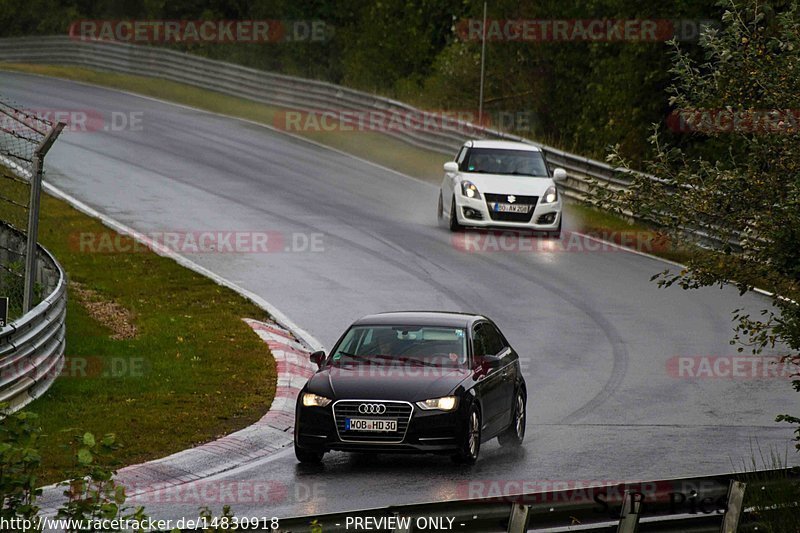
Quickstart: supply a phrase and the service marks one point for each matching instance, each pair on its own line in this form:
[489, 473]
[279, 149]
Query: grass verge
[635, 235]
[155, 353]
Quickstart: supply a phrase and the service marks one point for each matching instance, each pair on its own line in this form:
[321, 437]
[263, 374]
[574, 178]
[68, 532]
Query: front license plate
[366, 424]
[510, 208]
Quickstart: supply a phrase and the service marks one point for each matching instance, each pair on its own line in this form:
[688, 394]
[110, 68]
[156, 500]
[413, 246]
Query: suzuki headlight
[469, 190]
[448, 403]
[313, 400]
[550, 195]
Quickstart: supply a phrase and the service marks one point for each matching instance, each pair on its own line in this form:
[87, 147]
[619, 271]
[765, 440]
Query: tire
[308, 456]
[454, 225]
[513, 436]
[471, 447]
[556, 234]
[440, 208]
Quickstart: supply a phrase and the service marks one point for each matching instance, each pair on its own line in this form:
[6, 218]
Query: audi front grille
[400, 411]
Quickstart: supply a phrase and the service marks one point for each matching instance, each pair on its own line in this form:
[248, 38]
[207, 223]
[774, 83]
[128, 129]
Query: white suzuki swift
[501, 184]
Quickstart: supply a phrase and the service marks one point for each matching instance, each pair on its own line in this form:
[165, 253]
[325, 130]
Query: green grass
[194, 372]
[634, 234]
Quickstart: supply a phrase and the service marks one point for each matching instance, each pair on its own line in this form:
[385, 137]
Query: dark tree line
[582, 96]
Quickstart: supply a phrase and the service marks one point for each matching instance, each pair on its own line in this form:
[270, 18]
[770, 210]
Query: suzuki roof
[502, 145]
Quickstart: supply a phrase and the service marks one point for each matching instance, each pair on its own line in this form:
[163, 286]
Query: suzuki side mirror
[451, 167]
[559, 174]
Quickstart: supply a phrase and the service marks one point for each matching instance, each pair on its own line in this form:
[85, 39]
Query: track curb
[273, 432]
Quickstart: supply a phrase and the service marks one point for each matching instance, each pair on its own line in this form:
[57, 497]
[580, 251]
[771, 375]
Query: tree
[736, 175]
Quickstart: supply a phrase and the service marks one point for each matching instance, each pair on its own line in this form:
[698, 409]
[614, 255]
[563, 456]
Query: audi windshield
[385, 345]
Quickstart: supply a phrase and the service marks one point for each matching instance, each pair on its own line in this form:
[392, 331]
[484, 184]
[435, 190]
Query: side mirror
[451, 167]
[491, 361]
[559, 174]
[486, 364]
[318, 358]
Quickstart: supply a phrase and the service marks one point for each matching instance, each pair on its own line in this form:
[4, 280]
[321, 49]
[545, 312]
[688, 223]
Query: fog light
[548, 218]
[472, 214]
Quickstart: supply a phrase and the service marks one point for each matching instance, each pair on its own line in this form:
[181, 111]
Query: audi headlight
[550, 195]
[469, 190]
[448, 403]
[313, 400]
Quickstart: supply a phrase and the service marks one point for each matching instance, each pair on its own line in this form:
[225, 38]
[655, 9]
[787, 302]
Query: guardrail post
[518, 519]
[33, 233]
[730, 521]
[629, 516]
[33, 215]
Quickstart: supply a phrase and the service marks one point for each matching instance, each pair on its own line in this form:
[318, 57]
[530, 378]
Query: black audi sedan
[419, 382]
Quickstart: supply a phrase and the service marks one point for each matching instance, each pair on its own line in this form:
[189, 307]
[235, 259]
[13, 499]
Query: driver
[384, 341]
[478, 163]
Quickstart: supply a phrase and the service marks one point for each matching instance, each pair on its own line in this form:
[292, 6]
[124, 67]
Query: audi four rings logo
[371, 408]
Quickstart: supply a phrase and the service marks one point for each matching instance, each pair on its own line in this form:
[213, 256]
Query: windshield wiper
[357, 357]
[404, 359]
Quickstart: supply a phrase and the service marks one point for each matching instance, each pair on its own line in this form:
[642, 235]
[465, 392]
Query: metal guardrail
[32, 347]
[701, 504]
[286, 92]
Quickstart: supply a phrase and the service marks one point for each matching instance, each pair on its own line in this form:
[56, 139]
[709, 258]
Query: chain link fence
[24, 140]
[32, 343]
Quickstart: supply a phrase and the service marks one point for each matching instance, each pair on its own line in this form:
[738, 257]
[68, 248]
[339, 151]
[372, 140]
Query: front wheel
[515, 433]
[557, 233]
[471, 445]
[307, 456]
[454, 225]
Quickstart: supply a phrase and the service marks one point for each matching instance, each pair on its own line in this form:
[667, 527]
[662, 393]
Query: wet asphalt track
[594, 333]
